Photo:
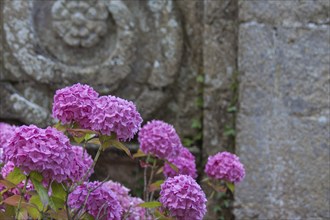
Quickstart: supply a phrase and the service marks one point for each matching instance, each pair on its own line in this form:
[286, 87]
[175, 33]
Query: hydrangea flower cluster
[106, 114]
[74, 104]
[128, 203]
[225, 166]
[46, 151]
[160, 139]
[113, 114]
[136, 212]
[185, 162]
[5, 134]
[121, 193]
[183, 197]
[81, 163]
[101, 201]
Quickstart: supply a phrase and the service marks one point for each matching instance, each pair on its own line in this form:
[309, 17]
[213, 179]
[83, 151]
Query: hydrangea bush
[45, 171]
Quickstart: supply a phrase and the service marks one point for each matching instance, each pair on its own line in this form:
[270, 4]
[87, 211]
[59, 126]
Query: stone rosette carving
[80, 23]
[132, 49]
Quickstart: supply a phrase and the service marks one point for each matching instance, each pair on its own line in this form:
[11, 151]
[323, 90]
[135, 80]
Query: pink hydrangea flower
[225, 166]
[183, 198]
[46, 151]
[160, 139]
[101, 201]
[121, 193]
[115, 115]
[128, 203]
[81, 162]
[136, 212]
[74, 104]
[185, 162]
[6, 131]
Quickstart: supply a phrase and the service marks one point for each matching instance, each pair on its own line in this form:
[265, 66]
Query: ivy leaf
[153, 204]
[16, 176]
[200, 79]
[196, 124]
[231, 109]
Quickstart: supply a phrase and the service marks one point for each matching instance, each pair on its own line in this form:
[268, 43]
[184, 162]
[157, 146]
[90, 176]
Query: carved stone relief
[128, 48]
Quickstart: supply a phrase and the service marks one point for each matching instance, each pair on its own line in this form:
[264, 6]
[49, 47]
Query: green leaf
[57, 203]
[161, 216]
[13, 200]
[188, 142]
[160, 170]
[88, 136]
[16, 176]
[36, 175]
[9, 212]
[200, 79]
[156, 185]
[230, 186]
[231, 109]
[199, 102]
[153, 204]
[58, 191]
[9, 185]
[196, 123]
[34, 212]
[120, 146]
[42, 192]
[78, 140]
[87, 216]
[175, 168]
[229, 132]
[35, 199]
[60, 127]
[139, 153]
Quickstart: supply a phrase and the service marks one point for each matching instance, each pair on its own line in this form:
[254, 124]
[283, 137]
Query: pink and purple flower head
[131, 210]
[225, 166]
[115, 115]
[74, 104]
[46, 151]
[101, 202]
[183, 198]
[6, 131]
[81, 164]
[160, 139]
[185, 162]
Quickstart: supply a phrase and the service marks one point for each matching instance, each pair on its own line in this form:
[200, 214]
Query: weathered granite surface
[132, 49]
[284, 116]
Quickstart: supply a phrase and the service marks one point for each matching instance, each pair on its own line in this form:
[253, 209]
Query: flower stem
[151, 177]
[21, 197]
[145, 193]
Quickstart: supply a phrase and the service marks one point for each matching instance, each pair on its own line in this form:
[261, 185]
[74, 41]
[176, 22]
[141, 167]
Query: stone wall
[186, 62]
[283, 120]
